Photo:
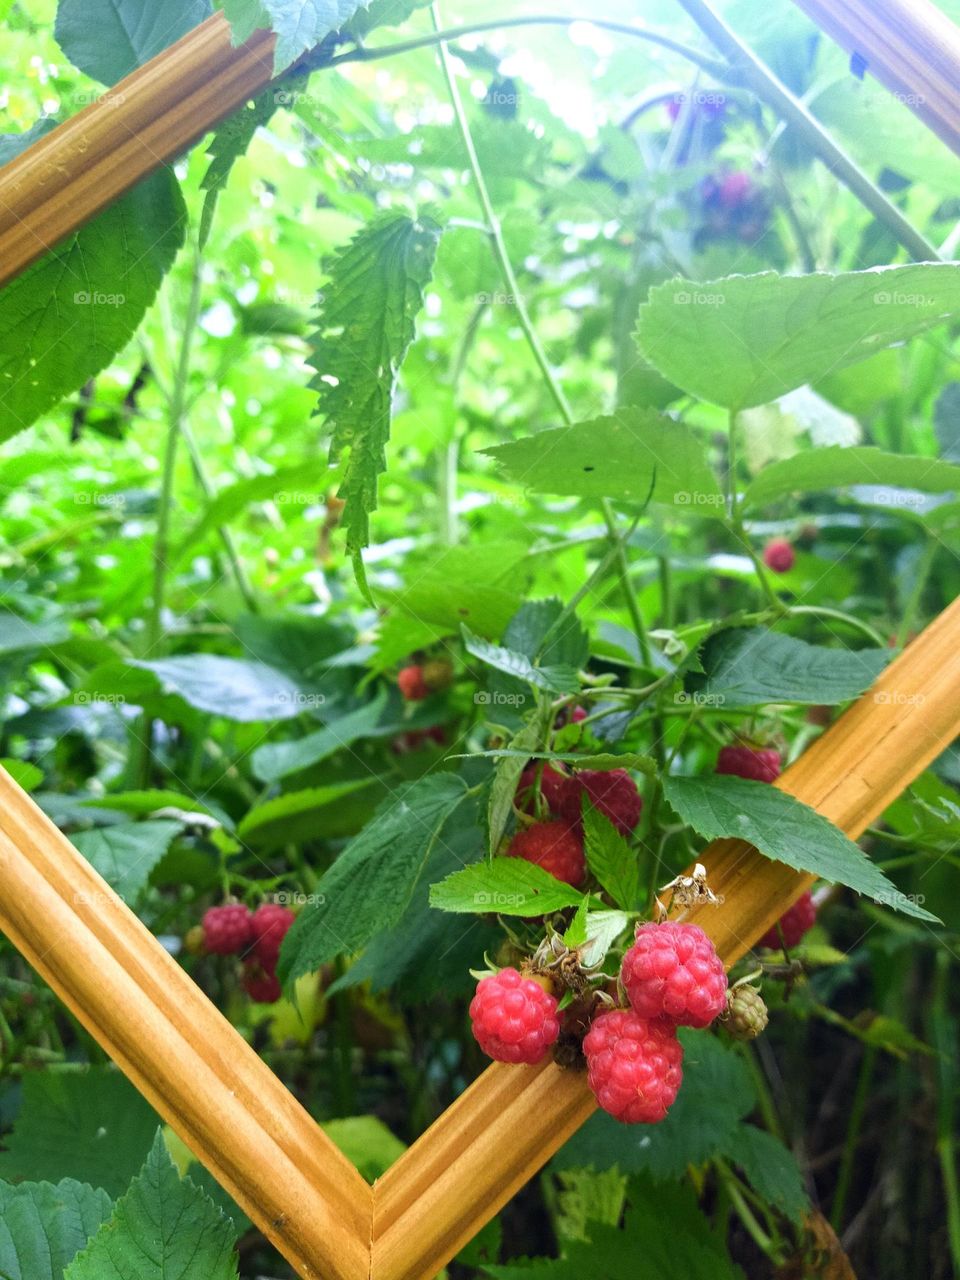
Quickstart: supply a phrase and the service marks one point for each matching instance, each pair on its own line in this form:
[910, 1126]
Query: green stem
[821, 611]
[440, 37]
[743, 1210]
[752, 71]
[857, 1110]
[916, 593]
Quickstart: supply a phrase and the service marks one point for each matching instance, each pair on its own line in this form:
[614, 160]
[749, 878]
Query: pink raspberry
[795, 922]
[270, 925]
[260, 983]
[412, 685]
[611, 791]
[555, 847]
[227, 930]
[514, 1019]
[760, 764]
[634, 1065]
[673, 971]
[779, 555]
[553, 787]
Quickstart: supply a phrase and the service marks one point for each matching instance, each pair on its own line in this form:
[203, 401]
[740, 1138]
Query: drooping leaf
[125, 853]
[299, 24]
[744, 340]
[43, 1227]
[17, 635]
[231, 140]
[65, 317]
[107, 39]
[771, 1170]
[276, 760]
[557, 679]
[506, 776]
[229, 687]
[838, 468]
[365, 325]
[369, 886]
[783, 828]
[92, 1126]
[748, 667]
[610, 858]
[621, 457]
[162, 1228]
[506, 886]
[309, 814]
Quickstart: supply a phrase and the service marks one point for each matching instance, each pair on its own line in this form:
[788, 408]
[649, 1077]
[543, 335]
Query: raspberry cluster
[256, 936]
[612, 791]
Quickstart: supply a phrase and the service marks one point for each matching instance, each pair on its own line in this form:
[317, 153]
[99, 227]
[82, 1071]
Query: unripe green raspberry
[746, 1014]
[437, 674]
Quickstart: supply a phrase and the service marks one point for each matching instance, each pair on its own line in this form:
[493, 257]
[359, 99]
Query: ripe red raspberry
[779, 556]
[270, 925]
[514, 1019]
[673, 971]
[260, 983]
[228, 929]
[634, 1065]
[555, 847]
[746, 1014]
[794, 922]
[760, 764]
[411, 683]
[553, 788]
[611, 791]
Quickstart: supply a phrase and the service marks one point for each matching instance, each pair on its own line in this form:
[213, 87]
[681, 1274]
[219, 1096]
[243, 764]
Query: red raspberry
[553, 788]
[760, 764]
[795, 922]
[411, 684]
[673, 971]
[228, 929]
[634, 1065]
[260, 983]
[514, 1019]
[611, 791]
[555, 847]
[270, 925]
[779, 556]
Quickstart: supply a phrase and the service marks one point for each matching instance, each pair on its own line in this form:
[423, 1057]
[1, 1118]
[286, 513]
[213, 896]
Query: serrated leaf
[107, 39]
[771, 1170]
[276, 760]
[507, 886]
[603, 928]
[624, 457]
[43, 1227]
[365, 325]
[747, 667]
[299, 24]
[553, 679]
[231, 140]
[610, 858]
[163, 1227]
[92, 1126]
[576, 932]
[307, 814]
[783, 828]
[126, 853]
[229, 687]
[744, 340]
[81, 303]
[837, 468]
[368, 888]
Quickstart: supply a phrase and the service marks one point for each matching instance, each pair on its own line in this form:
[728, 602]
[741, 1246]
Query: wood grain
[180, 1052]
[910, 46]
[147, 119]
[511, 1121]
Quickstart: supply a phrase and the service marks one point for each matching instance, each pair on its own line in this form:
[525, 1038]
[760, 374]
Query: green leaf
[66, 317]
[126, 853]
[366, 1142]
[747, 667]
[230, 687]
[368, 888]
[783, 828]
[382, 13]
[43, 1227]
[277, 760]
[611, 859]
[744, 340]
[365, 325]
[299, 24]
[23, 773]
[617, 457]
[12, 144]
[771, 1170]
[231, 141]
[602, 930]
[507, 886]
[506, 776]
[19, 636]
[92, 1126]
[552, 679]
[107, 39]
[836, 468]
[310, 814]
[163, 1228]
